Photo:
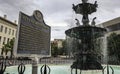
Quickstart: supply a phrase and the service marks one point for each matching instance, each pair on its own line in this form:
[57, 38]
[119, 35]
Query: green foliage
[8, 47]
[55, 51]
[114, 48]
[63, 50]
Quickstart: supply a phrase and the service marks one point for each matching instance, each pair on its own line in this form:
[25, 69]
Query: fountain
[86, 58]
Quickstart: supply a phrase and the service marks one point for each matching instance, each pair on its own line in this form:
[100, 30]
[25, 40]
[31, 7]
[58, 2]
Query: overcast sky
[58, 13]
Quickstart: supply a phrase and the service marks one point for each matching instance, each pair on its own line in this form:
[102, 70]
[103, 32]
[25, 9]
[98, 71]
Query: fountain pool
[59, 69]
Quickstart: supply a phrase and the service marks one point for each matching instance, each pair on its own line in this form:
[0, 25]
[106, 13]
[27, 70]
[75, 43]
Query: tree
[114, 48]
[63, 50]
[5, 49]
[55, 50]
[11, 46]
[8, 47]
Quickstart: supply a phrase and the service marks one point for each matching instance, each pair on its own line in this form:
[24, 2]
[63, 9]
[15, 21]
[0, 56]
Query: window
[5, 30]
[12, 32]
[8, 40]
[9, 31]
[113, 27]
[0, 39]
[1, 28]
[4, 40]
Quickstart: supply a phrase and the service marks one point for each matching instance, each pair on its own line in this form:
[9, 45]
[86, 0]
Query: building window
[5, 30]
[9, 31]
[113, 27]
[1, 28]
[4, 39]
[12, 32]
[8, 40]
[0, 39]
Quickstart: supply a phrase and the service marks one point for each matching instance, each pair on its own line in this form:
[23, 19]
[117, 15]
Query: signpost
[33, 37]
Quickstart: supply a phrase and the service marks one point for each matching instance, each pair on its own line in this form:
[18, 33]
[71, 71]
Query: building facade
[7, 31]
[112, 26]
[58, 42]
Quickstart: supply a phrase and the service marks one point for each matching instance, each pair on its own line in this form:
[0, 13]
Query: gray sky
[58, 13]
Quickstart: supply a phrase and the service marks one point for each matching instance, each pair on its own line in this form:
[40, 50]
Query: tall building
[112, 26]
[7, 31]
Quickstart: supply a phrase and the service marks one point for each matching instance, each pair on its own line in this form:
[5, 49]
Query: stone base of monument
[35, 66]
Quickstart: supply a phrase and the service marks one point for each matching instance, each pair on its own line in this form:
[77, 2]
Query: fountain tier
[85, 31]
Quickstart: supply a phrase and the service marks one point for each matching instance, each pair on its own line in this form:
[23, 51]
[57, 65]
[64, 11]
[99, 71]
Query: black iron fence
[45, 69]
[41, 61]
[21, 64]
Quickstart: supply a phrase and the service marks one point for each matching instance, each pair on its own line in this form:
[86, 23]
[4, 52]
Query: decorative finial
[93, 21]
[77, 23]
[21, 68]
[45, 69]
[84, 1]
[73, 5]
[2, 67]
[96, 5]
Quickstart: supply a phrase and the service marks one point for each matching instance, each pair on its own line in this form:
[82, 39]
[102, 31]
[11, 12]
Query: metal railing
[45, 69]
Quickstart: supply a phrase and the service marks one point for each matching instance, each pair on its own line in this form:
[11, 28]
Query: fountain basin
[85, 31]
[86, 8]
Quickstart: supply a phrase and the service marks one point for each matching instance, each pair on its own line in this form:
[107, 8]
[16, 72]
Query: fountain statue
[86, 58]
[77, 23]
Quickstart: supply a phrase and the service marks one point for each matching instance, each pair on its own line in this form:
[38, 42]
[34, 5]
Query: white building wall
[8, 32]
[109, 23]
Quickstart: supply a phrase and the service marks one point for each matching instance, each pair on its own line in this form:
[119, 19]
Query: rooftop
[6, 20]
